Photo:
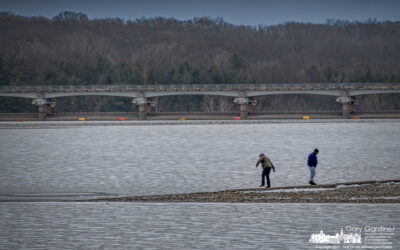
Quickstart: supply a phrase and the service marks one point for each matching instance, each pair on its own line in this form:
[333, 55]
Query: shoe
[261, 186]
[312, 183]
[268, 187]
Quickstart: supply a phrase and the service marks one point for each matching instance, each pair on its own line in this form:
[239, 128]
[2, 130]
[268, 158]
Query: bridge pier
[142, 102]
[243, 101]
[44, 106]
[142, 111]
[347, 105]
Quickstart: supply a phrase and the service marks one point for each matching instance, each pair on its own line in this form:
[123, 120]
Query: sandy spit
[387, 191]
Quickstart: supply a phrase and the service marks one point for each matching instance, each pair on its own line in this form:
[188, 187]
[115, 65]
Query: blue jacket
[312, 160]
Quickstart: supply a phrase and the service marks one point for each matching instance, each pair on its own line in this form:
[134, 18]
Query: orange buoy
[356, 118]
[20, 119]
[306, 117]
[81, 119]
[122, 118]
[236, 118]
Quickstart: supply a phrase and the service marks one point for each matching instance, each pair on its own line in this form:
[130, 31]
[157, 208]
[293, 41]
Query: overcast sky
[246, 12]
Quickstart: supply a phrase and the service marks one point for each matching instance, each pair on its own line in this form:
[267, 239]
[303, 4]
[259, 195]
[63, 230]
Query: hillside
[71, 49]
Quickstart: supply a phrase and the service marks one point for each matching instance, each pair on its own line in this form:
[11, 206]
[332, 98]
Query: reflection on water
[183, 226]
[174, 159]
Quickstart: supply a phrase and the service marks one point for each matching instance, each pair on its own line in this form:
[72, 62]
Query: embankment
[162, 116]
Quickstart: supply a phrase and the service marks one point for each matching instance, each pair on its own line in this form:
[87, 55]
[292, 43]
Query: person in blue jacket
[312, 163]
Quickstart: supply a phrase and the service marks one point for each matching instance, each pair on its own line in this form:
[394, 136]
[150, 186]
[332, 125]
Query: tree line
[71, 49]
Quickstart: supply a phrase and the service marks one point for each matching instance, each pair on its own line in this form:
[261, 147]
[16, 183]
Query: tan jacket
[265, 162]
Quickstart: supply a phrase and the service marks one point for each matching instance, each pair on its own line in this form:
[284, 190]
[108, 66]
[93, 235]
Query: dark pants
[265, 173]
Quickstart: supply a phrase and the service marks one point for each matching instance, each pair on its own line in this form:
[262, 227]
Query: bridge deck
[202, 87]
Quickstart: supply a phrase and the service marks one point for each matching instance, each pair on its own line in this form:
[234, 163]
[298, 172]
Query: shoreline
[173, 116]
[386, 191]
[33, 124]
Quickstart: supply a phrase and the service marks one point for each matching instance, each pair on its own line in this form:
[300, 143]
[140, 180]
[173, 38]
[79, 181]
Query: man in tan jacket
[266, 165]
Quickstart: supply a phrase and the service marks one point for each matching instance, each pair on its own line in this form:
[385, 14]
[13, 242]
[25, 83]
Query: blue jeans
[312, 173]
[265, 173]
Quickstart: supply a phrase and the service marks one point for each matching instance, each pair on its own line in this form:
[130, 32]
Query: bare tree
[209, 103]
[225, 103]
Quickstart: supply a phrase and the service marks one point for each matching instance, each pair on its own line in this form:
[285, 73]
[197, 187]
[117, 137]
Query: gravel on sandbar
[350, 192]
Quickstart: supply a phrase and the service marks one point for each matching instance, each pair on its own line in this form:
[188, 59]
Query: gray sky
[247, 12]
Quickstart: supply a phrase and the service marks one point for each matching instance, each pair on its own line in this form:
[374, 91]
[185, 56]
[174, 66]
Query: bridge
[43, 96]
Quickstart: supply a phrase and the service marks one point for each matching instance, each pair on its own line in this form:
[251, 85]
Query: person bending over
[267, 166]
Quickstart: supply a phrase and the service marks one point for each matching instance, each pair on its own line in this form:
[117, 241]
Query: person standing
[266, 165]
[312, 163]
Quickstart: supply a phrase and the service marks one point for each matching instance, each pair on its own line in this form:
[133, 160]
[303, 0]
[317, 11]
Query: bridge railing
[199, 87]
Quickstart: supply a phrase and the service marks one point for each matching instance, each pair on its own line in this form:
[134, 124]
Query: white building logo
[335, 239]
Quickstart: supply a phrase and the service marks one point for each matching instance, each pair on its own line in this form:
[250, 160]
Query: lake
[70, 225]
[157, 159]
[45, 163]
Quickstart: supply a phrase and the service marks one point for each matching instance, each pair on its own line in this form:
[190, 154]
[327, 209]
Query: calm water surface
[81, 162]
[68, 225]
[158, 159]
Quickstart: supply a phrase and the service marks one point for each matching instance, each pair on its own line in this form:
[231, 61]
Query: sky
[238, 12]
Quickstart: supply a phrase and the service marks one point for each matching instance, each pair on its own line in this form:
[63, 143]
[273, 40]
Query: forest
[71, 49]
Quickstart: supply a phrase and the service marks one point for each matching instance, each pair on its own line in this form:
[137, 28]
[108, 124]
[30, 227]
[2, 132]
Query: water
[138, 160]
[56, 163]
[184, 226]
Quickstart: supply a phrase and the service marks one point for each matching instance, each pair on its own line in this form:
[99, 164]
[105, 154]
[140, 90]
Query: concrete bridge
[243, 93]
